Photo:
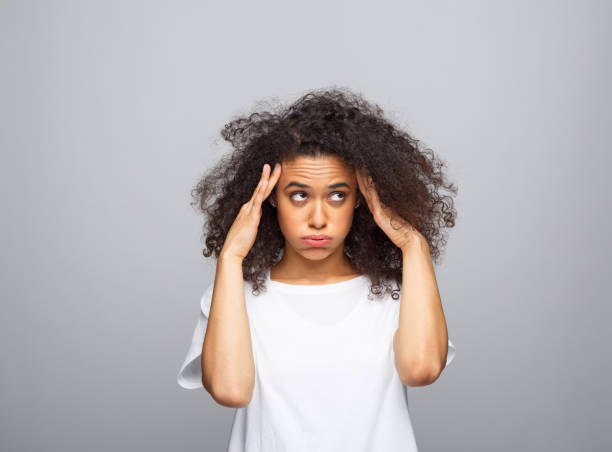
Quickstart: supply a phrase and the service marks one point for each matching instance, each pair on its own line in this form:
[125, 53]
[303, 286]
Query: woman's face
[315, 196]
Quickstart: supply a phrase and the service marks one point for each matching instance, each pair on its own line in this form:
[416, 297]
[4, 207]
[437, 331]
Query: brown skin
[408, 176]
[244, 231]
[420, 341]
[314, 210]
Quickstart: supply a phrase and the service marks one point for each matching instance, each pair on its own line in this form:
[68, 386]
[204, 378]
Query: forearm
[422, 337]
[228, 370]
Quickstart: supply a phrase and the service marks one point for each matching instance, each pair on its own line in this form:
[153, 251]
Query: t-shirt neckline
[315, 288]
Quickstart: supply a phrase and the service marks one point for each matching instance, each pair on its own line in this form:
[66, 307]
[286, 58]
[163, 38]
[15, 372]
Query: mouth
[317, 240]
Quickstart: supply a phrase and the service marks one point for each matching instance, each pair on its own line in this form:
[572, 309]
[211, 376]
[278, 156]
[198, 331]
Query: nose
[318, 218]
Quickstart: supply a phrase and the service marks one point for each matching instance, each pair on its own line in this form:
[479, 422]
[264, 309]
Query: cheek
[347, 218]
[287, 219]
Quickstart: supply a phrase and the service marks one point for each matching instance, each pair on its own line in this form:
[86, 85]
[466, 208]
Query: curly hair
[333, 122]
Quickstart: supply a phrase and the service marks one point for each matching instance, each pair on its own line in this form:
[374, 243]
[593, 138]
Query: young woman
[324, 305]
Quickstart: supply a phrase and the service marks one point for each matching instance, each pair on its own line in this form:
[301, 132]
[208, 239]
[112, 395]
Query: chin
[316, 254]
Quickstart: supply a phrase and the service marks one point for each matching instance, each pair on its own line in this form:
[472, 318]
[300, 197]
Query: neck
[296, 268]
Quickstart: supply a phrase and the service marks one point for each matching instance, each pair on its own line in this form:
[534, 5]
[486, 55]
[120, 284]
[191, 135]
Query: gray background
[111, 111]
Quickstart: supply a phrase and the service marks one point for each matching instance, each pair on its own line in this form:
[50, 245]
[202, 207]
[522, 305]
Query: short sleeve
[190, 373]
[450, 355]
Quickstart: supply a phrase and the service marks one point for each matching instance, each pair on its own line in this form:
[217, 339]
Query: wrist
[228, 256]
[415, 245]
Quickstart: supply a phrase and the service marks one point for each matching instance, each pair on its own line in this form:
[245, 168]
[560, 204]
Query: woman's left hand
[399, 231]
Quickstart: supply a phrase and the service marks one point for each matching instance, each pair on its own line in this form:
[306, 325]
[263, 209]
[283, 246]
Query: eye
[342, 194]
[296, 193]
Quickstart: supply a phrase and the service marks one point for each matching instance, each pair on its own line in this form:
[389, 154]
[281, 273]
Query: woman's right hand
[243, 232]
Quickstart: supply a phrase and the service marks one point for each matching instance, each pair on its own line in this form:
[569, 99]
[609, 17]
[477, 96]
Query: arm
[228, 369]
[420, 343]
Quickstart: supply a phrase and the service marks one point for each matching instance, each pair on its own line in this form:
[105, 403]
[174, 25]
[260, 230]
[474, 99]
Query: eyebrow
[297, 184]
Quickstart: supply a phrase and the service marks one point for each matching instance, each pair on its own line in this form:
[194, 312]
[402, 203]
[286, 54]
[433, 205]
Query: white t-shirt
[325, 373]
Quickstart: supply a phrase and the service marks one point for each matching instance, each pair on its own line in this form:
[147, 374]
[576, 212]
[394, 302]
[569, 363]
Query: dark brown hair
[334, 121]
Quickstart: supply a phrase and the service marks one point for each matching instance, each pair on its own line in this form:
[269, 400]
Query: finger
[263, 191]
[359, 185]
[359, 180]
[372, 191]
[363, 183]
[273, 179]
[265, 169]
[363, 187]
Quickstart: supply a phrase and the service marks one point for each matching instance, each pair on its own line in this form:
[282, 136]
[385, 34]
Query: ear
[272, 199]
[359, 199]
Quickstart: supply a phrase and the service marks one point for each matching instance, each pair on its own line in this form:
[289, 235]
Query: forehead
[321, 168]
